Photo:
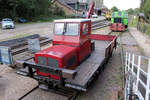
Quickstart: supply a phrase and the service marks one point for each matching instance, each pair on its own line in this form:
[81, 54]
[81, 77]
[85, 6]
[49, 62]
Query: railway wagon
[119, 21]
[76, 58]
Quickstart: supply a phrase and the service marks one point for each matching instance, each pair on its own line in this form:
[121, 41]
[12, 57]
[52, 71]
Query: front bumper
[8, 27]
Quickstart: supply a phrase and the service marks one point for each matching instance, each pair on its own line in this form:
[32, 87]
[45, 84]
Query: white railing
[137, 76]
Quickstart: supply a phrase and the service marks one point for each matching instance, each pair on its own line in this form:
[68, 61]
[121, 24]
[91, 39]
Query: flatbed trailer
[80, 78]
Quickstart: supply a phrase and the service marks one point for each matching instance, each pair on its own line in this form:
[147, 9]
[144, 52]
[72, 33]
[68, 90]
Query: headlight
[3, 25]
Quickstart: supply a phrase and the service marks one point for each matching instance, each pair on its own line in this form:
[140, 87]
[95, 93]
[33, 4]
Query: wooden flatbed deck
[89, 67]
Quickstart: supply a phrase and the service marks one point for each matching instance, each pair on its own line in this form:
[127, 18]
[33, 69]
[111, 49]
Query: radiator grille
[52, 62]
[41, 60]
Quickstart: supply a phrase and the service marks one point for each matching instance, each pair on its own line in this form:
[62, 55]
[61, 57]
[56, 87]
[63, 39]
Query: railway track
[99, 24]
[19, 47]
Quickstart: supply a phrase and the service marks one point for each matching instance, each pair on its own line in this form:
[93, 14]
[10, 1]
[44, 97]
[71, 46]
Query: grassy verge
[133, 22]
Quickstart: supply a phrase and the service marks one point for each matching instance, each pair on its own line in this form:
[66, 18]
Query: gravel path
[142, 40]
[27, 29]
[13, 86]
[103, 31]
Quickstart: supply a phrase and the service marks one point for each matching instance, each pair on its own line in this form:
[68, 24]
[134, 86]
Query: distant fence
[137, 77]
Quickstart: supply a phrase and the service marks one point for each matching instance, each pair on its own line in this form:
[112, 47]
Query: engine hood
[58, 51]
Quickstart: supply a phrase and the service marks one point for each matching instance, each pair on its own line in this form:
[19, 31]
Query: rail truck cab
[71, 46]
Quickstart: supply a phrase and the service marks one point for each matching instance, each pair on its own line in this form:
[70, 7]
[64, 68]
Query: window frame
[87, 28]
[65, 28]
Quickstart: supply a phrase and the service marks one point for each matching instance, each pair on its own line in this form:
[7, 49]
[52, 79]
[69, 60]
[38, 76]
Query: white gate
[137, 77]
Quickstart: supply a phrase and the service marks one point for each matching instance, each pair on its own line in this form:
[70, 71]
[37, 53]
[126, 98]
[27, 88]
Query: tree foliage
[24, 8]
[145, 7]
[130, 11]
[114, 9]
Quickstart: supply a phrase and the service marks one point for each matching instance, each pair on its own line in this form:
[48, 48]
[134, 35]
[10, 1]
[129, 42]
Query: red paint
[117, 27]
[64, 47]
[121, 27]
[90, 10]
[61, 53]
[102, 37]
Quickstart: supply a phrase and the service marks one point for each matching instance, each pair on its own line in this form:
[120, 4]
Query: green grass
[147, 29]
[133, 22]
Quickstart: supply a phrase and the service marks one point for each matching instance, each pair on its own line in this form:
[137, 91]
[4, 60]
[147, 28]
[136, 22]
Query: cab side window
[85, 28]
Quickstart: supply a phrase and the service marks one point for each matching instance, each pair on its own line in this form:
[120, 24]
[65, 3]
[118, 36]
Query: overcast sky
[122, 4]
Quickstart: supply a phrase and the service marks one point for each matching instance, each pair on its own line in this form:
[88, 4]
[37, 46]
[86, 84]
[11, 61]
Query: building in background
[70, 8]
[81, 3]
[98, 3]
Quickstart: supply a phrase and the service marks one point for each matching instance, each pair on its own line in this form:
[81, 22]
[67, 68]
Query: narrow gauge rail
[19, 47]
[99, 24]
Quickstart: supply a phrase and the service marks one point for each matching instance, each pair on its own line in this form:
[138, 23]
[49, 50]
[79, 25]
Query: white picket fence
[137, 77]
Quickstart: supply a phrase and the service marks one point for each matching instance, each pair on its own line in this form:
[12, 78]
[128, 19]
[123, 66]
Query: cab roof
[72, 20]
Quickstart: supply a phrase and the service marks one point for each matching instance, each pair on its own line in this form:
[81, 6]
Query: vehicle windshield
[119, 14]
[66, 29]
[59, 28]
[72, 29]
[7, 20]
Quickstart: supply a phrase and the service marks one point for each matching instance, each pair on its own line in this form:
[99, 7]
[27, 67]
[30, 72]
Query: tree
[136, 11]
[114, 9]
[130, 11]
[24, 8]
[146, 8]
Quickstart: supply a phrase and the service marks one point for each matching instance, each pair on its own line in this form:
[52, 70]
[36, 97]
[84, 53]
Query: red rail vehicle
[76, 58]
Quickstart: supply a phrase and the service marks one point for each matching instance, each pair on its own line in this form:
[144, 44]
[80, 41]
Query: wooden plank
[89, 67]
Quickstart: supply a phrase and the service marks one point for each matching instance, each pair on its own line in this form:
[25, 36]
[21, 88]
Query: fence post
[133, 61]
[148, 81]
[129, 56]
[138, 72]
[126, 60]
[126, 82]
